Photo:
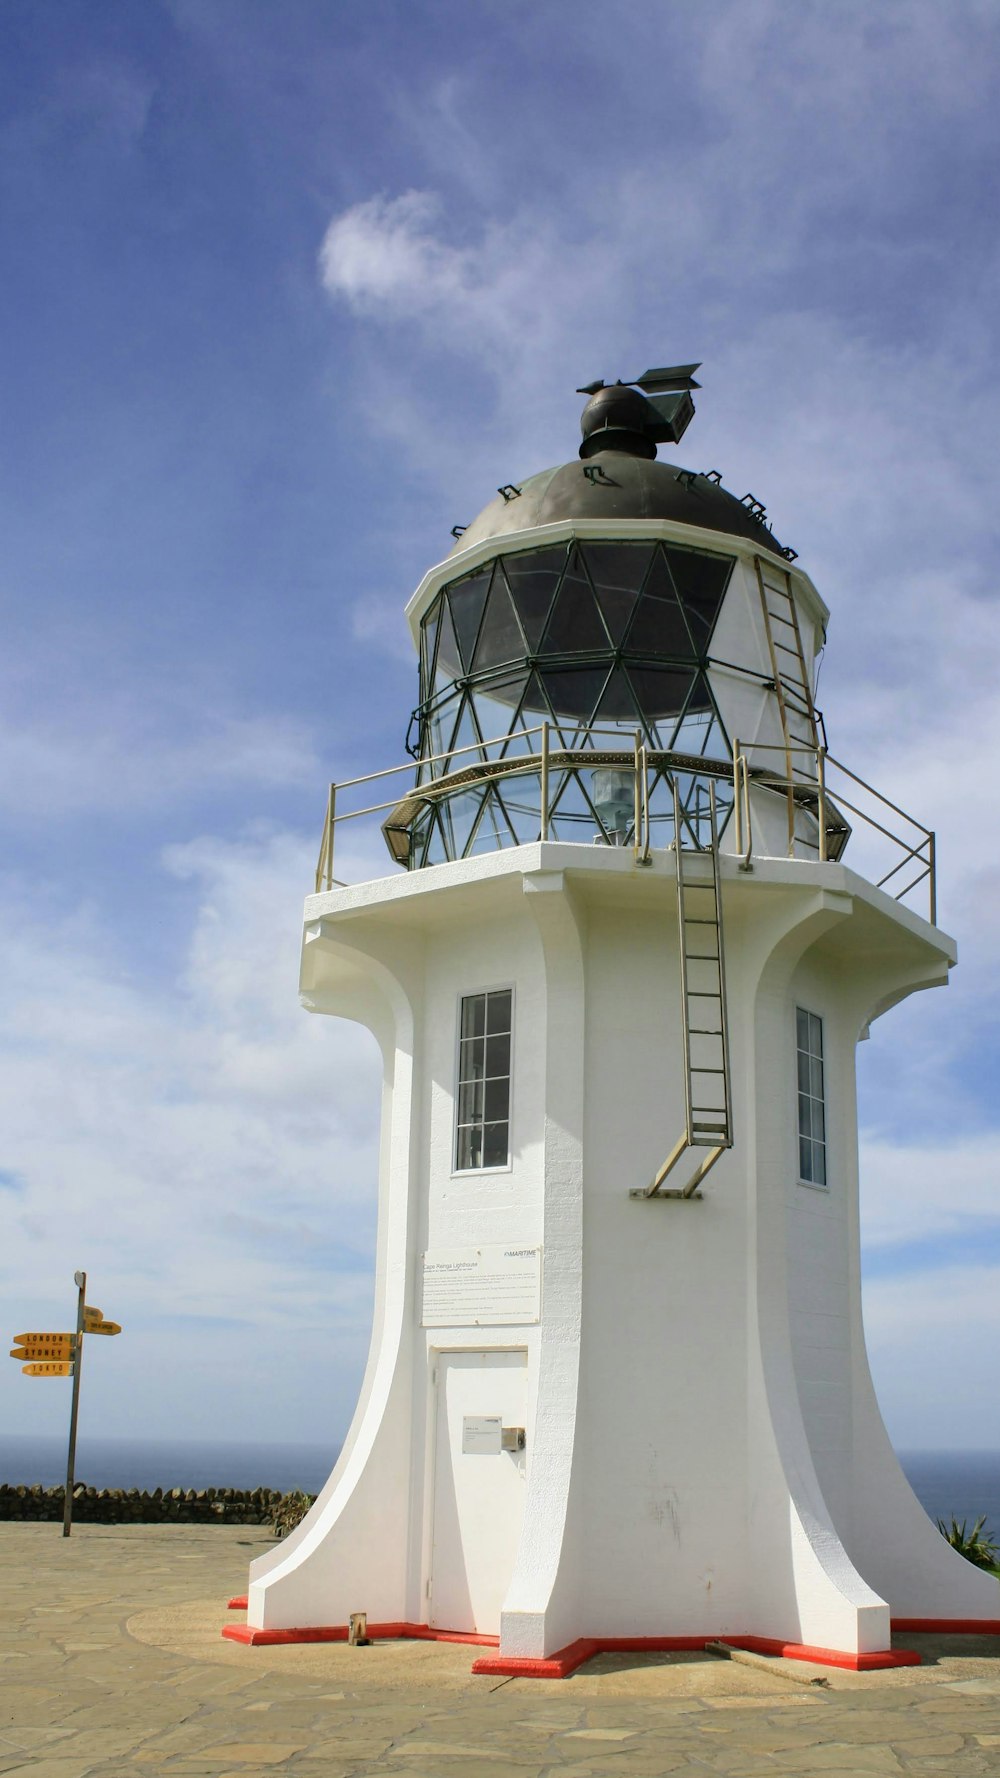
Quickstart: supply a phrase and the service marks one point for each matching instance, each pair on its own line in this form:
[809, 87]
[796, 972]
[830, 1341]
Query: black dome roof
[614, 484]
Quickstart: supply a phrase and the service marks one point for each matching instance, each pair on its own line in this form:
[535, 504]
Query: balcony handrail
[808, 788]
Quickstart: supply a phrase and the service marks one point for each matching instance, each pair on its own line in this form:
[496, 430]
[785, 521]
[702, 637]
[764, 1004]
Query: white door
[478, 1487]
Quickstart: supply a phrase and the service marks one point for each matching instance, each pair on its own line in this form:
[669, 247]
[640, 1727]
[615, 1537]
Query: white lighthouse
[617, 1393]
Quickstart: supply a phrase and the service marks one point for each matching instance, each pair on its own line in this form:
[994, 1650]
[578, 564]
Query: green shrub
[973, 1545]
[287, 1512]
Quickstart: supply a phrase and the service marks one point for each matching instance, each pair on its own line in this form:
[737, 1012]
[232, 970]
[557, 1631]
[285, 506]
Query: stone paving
[112, 1666]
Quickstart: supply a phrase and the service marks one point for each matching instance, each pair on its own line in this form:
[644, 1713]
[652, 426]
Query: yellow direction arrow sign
[47, 1370]
[41, 1339]
[62, 1347]
[90, 1314]
[102, 1327]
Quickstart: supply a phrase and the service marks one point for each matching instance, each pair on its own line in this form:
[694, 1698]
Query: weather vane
[669, 409]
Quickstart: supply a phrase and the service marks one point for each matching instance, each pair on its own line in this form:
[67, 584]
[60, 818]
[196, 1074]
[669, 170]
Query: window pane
[470, 1146]
[470, 1102]
[470, 1059]
[811, 1099]
[497, 1100]
[498, 1012]
[805, 1116]
[482, 1111]
[495, 1145]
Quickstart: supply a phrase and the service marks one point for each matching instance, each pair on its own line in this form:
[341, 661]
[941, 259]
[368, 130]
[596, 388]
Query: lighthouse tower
[618, 967]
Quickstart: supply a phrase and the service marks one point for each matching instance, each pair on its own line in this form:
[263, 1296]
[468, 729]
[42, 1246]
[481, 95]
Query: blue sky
[288, 290]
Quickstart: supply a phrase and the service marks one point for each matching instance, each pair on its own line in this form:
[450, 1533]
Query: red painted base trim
[872, 1662]
[950, 1626]
[566, 1660]
[338, 1633]
[240, 1603]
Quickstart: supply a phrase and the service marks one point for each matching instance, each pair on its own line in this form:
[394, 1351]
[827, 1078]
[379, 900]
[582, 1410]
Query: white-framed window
[812, 1097]
[482, 1102]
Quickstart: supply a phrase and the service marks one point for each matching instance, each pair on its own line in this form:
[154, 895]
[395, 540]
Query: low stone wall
[118, 1506]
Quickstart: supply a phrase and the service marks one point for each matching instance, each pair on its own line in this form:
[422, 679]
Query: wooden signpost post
[60, 1355]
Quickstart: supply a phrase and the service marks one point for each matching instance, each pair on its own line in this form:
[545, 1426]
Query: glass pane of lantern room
[658, 626]
[495, 704]
[448, 665]
[533, 576]
[701, 580]
[661, 693]
[575, 693]
[467, 598]
[428, 641]
[500, 639]
[575, 625]
[617, 571]
[440, 728]
[617, 708]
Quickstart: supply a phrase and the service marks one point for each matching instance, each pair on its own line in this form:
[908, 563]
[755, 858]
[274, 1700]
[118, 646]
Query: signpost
[61, 1355]
[80, 1280]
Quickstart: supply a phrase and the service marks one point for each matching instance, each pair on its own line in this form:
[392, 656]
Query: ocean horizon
[162, 1463]
[959, 1484]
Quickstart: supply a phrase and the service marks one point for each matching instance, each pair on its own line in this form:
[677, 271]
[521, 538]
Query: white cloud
[916, 1192]
[202, 1146]
[933, 1341]
[87, 756]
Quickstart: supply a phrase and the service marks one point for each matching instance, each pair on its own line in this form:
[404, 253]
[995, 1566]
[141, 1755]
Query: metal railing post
[932, 861]
[737, 804]
[544, 832]
[331, 816]
[821, 800]
[636, 797]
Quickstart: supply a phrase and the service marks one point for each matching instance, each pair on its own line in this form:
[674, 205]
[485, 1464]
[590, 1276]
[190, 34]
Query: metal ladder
[708, 1120]
[790, 676]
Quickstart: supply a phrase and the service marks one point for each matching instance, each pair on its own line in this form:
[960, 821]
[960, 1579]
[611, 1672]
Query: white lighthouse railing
[890, 847]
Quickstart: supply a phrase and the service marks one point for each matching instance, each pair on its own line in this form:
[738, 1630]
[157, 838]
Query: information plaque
[482, 1435]
[482, 1286]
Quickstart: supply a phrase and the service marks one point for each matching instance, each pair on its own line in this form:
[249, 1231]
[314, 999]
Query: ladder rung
[698, 920]
[776, 618]
[703, 1031]
[786, 650]
[695, 1069]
